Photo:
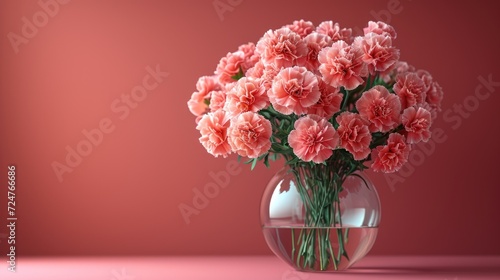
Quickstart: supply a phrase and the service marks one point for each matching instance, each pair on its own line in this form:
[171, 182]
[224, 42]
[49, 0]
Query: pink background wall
[70, 72]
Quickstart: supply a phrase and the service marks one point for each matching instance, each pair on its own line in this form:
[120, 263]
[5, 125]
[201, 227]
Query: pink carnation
[198, 104]
[230, 66]
[222, 100]
[281, 47]
[247, 95]
[417, 123]
[213, 129]
[249, 55]
[354, 134]
[428, 107]
[342, 65]
[301, 27]
[433, 93]
[403, 67]
[334, 32]
[270, 71]
[380, 28]
[313, 138]
[217, 100]
[256, 71]
[329, 101]
[426, 78]
[379, 107]
[410, 89]
[434, 97]
[206, 84]
[378, 51]
[294, 89]
[397, 68]
[250, 134]
[391, 157]
[315, 42]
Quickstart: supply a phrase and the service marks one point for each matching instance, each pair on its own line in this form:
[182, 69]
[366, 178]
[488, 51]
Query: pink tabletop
[250, 267]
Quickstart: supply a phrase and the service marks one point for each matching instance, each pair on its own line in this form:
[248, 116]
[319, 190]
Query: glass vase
[316, 217]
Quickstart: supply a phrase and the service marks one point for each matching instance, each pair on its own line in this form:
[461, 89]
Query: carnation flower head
[294, 89]
[380, 28]
[334, 31]
[301, 27]
[433, 92]
[247, 95]
[342, 65]
[257, 71]
[329, 101]
[410, 89]
[397, 68]
[217, 100]
[378, 51]
[381, 108]
[281, 47]
[249, 55]
[434, 97]
[213, 128]
[206, 84]
[249, 135]
[391, 157]
[426, 77]
[198, 103]
[417, 123]
[230, 66]
[270, 71]
[354, 134]
[403, 67]
[315, 43]
[313, 138]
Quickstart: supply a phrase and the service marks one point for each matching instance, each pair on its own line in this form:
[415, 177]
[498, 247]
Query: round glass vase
[315, 219]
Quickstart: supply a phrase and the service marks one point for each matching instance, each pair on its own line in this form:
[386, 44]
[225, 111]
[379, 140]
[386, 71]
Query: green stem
[346, 98]
[319, 187]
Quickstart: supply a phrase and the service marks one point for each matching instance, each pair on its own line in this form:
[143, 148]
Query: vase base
[317, 249]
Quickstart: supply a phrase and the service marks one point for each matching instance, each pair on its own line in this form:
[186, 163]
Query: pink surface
[250, 268]
[71, 77]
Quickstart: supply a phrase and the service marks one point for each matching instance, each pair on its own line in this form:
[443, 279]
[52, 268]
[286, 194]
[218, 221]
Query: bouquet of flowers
[328, 102]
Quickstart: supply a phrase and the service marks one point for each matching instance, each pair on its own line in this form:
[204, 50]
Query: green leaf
[274, 156]
[254, 163]
[294, 160]
[266, 160]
